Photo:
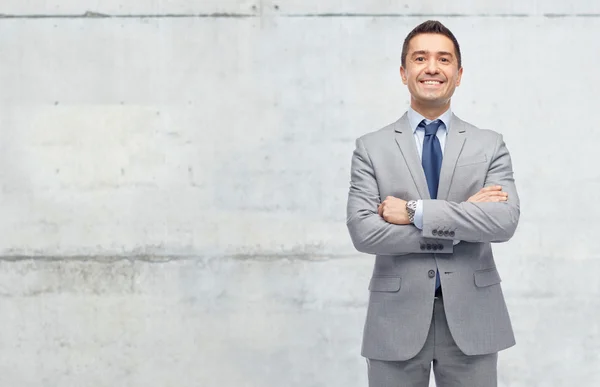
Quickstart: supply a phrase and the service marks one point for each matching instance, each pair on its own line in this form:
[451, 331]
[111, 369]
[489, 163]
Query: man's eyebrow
[425, 52]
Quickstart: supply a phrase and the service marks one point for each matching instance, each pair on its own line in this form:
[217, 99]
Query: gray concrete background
[174, 174]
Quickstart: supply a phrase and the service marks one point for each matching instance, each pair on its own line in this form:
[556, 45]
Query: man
[428, 195]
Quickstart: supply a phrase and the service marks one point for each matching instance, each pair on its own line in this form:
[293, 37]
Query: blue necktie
[432, 164]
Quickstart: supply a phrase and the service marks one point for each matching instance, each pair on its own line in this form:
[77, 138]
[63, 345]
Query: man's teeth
[432, 82]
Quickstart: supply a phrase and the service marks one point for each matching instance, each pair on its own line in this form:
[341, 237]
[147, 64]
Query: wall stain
[258, 256]
[258, 14]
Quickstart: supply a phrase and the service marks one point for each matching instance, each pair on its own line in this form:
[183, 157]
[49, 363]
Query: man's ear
[403, 75]
[459, 78]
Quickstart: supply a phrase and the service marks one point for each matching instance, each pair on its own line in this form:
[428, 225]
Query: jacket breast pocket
[487, 277]
[385, 284]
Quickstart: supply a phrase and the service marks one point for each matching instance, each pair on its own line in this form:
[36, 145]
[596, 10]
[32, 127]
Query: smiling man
[428, 195]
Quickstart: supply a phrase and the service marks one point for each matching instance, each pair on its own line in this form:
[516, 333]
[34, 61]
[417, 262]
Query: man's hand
[393, 210]
[489, 194]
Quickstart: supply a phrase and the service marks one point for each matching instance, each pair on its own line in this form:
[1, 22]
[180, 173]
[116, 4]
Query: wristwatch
[411, 207]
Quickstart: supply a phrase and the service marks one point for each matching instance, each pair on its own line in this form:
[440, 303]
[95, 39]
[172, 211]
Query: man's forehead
[431, 43]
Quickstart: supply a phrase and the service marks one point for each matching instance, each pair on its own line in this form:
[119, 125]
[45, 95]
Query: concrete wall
[174, 174]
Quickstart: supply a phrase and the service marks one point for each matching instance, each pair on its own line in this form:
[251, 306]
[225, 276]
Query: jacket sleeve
[369, 232]
[478, 222]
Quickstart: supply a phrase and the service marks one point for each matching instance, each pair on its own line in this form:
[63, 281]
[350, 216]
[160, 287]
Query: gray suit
[386, 163]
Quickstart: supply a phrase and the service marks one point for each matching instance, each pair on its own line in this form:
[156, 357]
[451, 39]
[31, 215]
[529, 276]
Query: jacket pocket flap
[481, 158]
[487, 277]
[385, 284]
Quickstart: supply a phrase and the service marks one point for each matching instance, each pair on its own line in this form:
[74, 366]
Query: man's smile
[431, 82]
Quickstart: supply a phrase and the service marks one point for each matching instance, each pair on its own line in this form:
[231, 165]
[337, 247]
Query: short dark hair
[431, 27]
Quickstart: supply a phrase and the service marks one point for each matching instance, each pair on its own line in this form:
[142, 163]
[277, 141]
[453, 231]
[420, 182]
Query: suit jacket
[386, 163]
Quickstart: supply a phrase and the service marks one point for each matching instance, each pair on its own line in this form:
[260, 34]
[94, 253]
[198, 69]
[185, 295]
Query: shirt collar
[414, 118]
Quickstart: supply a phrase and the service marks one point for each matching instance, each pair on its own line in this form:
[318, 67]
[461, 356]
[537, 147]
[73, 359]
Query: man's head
[431, 66]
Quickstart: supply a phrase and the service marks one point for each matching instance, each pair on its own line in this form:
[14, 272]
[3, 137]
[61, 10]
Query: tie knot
[431, 128]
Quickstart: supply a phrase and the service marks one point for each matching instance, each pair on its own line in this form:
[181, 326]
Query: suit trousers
[451, 367]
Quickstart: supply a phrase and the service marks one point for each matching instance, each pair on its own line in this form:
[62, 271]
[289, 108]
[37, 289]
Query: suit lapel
[406, 141]
[455, 140]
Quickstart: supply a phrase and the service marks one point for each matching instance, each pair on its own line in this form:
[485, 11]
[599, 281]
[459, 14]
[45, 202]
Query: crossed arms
[382, 228]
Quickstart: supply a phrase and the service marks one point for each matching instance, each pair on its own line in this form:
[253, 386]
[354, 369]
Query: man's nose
[432, 67]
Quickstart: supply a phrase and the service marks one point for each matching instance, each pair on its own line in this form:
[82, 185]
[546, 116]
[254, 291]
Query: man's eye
[445, 60]
[419, 59]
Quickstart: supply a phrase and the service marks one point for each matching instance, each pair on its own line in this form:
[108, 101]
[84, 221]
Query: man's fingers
[481, 195]
[489, 196]
[495, 193]
[491, 188]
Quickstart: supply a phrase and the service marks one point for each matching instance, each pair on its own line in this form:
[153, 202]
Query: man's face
[431, 72]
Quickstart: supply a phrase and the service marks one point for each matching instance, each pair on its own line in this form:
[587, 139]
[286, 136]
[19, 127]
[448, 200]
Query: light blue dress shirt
[414, 119]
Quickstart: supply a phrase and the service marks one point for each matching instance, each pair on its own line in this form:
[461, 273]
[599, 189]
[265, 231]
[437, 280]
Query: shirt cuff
[418, 220]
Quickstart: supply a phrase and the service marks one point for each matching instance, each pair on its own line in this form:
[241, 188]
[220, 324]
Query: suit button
[446, 233]
[451, 233]
[434, 232]
[440, 247]
[431, 274]
[428, 246]
[434, 247]
[422, 246]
